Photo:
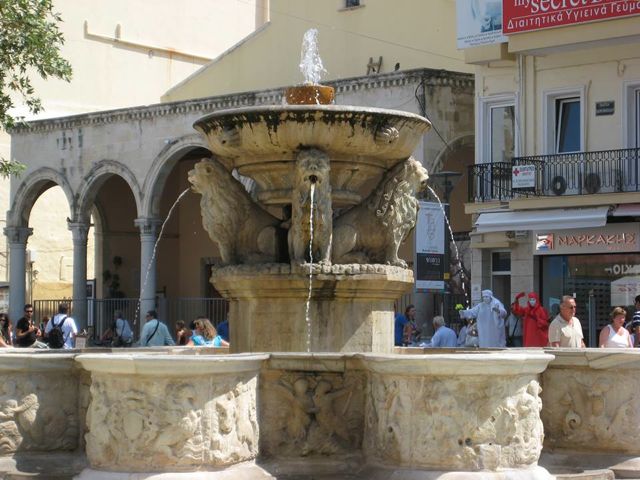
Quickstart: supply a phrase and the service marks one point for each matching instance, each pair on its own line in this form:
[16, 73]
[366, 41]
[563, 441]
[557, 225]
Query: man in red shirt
[535, 320]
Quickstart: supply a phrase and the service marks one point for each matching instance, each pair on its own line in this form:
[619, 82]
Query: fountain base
[351, 306]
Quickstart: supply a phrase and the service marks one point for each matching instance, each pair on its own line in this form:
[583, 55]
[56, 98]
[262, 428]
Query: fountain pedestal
[351, 307]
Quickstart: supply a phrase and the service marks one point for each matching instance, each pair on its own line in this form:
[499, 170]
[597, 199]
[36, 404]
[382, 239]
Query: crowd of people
[61, 331]
[489, 325]
[486, 325]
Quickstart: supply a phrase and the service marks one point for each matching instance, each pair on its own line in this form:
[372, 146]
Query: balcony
[581, 173]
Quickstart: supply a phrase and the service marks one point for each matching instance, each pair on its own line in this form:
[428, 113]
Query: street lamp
[446, 181]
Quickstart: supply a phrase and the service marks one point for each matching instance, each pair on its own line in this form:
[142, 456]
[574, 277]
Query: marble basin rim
[262, 142]
[171, 365]
[459, 364]
[30, 362]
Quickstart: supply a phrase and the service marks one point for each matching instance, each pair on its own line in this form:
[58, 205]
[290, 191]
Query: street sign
[523, 176]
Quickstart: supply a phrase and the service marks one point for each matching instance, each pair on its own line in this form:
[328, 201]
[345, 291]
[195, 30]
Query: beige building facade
[554, 191]
[123, 53]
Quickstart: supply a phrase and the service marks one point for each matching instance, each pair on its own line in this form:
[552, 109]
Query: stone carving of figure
[311, 170]
[372, 231]
[243, 231]
[172, 440]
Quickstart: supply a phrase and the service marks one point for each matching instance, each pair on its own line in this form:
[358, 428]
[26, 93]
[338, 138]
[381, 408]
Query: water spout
[455, 247]
[310, 61]
[307, 317]
[153, 255]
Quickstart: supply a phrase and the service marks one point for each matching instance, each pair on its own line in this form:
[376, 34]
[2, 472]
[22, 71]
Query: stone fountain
[356, 273]
[309, 262]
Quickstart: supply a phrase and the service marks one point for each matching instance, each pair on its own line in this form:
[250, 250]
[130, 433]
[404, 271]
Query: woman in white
[615, 335]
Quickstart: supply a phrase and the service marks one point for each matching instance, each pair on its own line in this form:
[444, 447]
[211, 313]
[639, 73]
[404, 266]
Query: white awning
[538, 220]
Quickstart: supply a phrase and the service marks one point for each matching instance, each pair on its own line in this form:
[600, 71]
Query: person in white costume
[489, 315]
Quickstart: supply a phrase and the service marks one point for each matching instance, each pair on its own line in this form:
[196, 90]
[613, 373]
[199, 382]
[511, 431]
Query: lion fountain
[350, 243]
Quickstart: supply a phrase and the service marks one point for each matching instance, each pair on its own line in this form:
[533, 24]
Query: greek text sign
[527, 15]
[523, 176]
[621, 237]
[430, 238]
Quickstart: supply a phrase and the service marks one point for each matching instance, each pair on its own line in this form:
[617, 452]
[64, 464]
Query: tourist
[615, 335]
[565, 330]
[443, 337]
[635, 323]
[489, 315]
[400, 321]
[535, 320]
[27, 333]
[183, 334]
[206, 335]
[462, 335]
[6, 332]
[155, 333]
[410, 329]
[223, 329]
[66, 323]
[122, 334]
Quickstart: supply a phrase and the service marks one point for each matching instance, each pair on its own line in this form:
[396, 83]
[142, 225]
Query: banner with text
[479, 22]
[527, 15]
[430, 237]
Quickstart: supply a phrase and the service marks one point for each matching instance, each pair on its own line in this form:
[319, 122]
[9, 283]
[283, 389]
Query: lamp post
[446, 181]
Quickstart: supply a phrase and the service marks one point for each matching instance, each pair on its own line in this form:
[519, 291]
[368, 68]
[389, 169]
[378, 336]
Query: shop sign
[523, 176]
[605, 108]
[527, 15]
[430, 237]
[613, 238]
[479, 22]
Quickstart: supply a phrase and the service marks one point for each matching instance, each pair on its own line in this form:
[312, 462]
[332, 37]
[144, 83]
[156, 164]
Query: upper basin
[262, 142]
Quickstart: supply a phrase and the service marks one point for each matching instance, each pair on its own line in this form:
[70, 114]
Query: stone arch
[31, 187]
[161, 168]
[94, 180]
[465, 140]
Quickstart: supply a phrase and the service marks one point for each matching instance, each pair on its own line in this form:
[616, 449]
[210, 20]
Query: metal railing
[581, 173]
[100, 312]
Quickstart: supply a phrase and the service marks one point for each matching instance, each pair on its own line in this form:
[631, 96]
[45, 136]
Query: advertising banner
[527, 15]
[430, 248]
[479, 22]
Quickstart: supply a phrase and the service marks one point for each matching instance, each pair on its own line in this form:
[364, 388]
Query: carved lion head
[312, 166]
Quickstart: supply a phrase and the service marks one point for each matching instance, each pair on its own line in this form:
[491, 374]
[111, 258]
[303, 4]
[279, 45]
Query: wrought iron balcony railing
[582, 173]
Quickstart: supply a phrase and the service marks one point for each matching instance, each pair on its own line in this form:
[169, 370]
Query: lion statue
[372, 231]
[311, 169]
[243, 231]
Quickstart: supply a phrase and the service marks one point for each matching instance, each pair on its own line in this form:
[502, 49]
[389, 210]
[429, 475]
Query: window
[352, 3]
[501, 275]
[502, 127]
[564, 120]
[567, 125]
[497, 139]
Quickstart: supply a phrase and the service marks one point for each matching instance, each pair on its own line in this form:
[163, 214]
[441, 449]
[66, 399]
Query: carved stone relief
[146, 423]
[243, 231]
[38, 412]
[586, 407]
[305, 413]
[466, 423]
[372, 231]
[311, 168]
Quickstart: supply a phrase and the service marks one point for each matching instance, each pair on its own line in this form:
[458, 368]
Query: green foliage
[30, 44]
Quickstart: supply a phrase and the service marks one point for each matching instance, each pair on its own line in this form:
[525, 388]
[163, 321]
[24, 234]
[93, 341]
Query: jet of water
[455, 247]
[153, 255]
[310, 61]
[307, 317]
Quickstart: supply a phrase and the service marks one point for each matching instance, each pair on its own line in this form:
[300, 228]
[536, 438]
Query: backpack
[56, 335]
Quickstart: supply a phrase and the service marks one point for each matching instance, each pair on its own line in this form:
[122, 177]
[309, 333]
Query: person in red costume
[535, 320]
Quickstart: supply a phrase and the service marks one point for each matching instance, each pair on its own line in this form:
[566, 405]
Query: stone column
[17, 237]
[79, 232]
[148, 237]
